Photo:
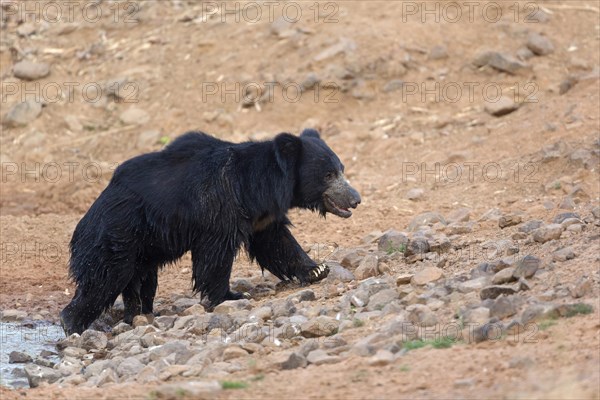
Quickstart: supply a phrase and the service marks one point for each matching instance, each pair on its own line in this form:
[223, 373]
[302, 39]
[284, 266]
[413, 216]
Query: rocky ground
[470, 269]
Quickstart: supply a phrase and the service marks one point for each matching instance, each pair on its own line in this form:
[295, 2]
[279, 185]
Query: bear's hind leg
[132, 300]
[148, 290]
[211, 273]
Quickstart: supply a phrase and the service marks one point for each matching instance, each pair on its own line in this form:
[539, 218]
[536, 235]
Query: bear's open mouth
[336, 209]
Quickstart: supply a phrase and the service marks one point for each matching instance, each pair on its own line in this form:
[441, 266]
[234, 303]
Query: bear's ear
[313, 133]
[287, 150]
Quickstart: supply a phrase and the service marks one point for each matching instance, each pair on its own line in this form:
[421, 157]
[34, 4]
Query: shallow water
[31, 340]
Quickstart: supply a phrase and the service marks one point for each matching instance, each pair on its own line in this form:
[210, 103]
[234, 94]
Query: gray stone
[393, 85]
[134, 116]
[504, 276]
[538, 312]
[191, 389]
[491, 292]
[530, 226]
[352, 259]
[547, 233]
[581, 288]
[503, 307]
[563, 254]
[504, 105]
[17, 357]
[393, 241]
[381, 358]
[231, 306]
[473, 284]
[438, 52]
[164, 322]
[499, 61]
[421, 315]
[526, 267]
[320, 326]
[425, 219]
[539, 45]
[37, 374]
[31, 71]
[22, 113]
[415, 194]
[337, 273]
[509, 220]
[320, 357]
[129, 367]
[13, 315]
[291, 361]
[93, 340]
[417, 246]
[382, 298]
[367, 267]
[427, 275]
[479, 316]
[560, 218]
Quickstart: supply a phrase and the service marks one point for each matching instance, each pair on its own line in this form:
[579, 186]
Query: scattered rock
[563, 254]
[337, 273]
[530, 226]
[37, 374]
[22, 113]
[504, 105]
[560, 218]
[539, 45]
[428, 218]
[426, 275]
[234, 352]
[581, 288]
[134, 116]
[491, 292]
[93, 340]
[526, 267]
[367, 267]
[320, 326]
[30, 71]
[17, 357]
[415, 194]
[131, 366]
[438, 52]
[479, 316]
[393, 241]
[421, 315]
[381, 358]
[509, 220]
[504, 307]
[13, 315]
[291, 360]
[547, 233]
[504, 276]
[499, 61]
[320, 357]
[191, 389]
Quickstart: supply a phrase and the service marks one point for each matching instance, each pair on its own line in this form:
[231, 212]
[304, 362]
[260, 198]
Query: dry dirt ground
[164, 67]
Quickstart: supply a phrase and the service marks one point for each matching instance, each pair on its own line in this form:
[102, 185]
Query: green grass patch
[357, 323]
[543, 325]
[393, 249]
[233, 385]
[258, 377]
[404, 368]
[579, 308]
[441, 343]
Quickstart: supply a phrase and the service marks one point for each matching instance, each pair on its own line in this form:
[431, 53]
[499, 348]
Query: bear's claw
[318, 273]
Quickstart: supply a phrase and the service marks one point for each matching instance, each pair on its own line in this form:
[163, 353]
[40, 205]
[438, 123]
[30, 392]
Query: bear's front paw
[318, 273]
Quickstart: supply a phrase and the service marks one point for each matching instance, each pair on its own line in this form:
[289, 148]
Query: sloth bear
[210, 197]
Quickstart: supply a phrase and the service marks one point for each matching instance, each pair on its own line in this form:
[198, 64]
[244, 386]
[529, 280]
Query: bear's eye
[330, 176]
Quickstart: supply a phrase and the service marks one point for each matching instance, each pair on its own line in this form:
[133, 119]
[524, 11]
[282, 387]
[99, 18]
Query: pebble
[17, 357]
[581, 288]
[547, 233]
[564, 254]
[381, 358]
[491, 292]
[509, 220]
[499, 61]
[320, 326]
[134, 116]
[13, 315]
[36, 374]
[415, 194]
[381, 299]
[479, 316]
[421, 315]
[539, 45]
[439, 52]
[503, 106]
[30, 71]
[93, 340]
[23, 113]
[425, 219]
[504, 307]
[367, 267]
[392, 241]
[504, 276]
[320, 357]
[427, 275]
[526, 267]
